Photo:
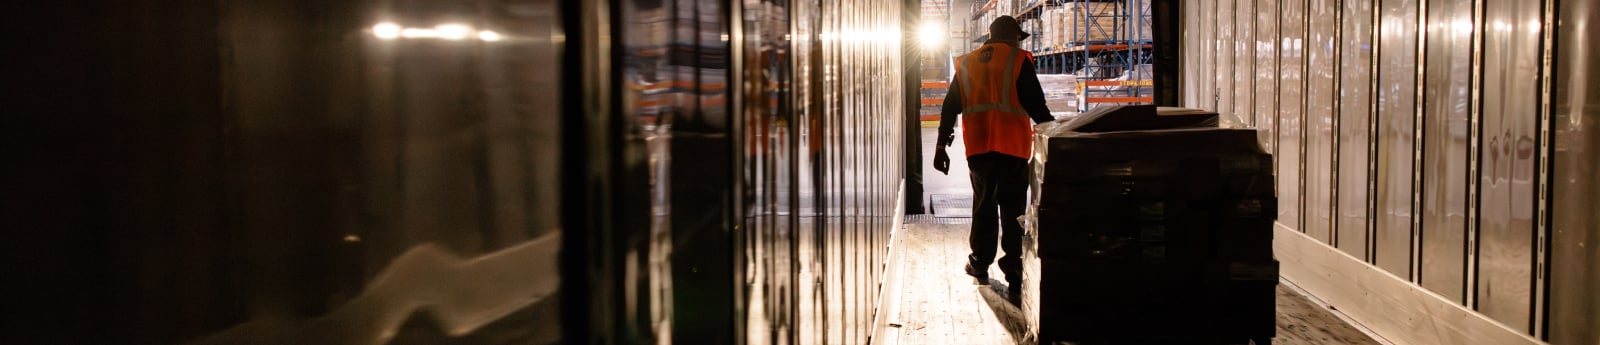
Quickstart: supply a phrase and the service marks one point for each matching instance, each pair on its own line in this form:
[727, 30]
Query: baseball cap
[1007, 26]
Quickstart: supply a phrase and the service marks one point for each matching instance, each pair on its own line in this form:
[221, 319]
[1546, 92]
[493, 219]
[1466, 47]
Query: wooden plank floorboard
[1301, 321]
[942, 305]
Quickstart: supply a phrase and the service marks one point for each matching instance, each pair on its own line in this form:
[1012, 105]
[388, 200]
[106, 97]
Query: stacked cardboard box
[1091, 21]
[1162, 235]
[1053, 27]
[1043, 31]
[1060, 91]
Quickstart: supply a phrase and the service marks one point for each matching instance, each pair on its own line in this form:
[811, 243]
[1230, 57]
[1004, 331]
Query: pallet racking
[1106, 44]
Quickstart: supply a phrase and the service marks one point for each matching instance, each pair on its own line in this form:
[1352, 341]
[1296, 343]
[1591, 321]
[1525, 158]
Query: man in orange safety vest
[998, 94]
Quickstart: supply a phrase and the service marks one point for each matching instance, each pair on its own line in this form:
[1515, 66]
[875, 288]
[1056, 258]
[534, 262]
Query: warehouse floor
[938, 304]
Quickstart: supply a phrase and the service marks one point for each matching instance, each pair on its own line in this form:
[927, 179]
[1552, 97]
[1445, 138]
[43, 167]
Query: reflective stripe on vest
[1008, 86]
[992, 118]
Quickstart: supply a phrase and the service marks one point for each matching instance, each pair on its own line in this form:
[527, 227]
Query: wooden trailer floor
[938, 304]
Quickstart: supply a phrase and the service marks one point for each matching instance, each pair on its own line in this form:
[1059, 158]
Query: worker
[997, 90]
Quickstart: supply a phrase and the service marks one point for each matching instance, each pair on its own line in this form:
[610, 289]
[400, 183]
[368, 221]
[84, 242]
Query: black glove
[946, 139]
[941, 161]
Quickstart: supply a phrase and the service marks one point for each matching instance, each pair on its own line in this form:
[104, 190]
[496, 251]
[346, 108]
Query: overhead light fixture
[489, 36]
[931, 35]
[453, 32]
[387, 31]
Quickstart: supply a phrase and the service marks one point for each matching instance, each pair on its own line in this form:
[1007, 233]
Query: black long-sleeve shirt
[1029, 93]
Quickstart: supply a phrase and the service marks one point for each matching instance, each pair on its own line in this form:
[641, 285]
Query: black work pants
[999, 193]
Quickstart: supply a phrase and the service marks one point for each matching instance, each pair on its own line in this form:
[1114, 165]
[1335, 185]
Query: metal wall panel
[1512, 38]
[1291, 113]
[1575, 238]
[1321, 49]
[857, 75]
[806, 61]
[298, 171]
[286, 172]
[1190, 36]
[781, 173]
[1446, 121]
[1397, 102]
[1244, 57]
[770, 148]
[1226, 61]
[1266, 52]
[1207, 44]
[703, 125]
[1355, 126]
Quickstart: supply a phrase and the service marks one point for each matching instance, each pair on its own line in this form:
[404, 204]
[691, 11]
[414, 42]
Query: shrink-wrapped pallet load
[1149, 225]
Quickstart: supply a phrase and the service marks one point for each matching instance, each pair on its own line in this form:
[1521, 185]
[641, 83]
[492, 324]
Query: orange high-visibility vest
[992, 119]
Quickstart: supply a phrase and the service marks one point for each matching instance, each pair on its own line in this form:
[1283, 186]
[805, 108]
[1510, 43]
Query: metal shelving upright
[1116, 68]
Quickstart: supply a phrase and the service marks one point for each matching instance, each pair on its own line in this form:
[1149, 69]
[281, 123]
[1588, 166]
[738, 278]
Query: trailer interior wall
[1435, 158]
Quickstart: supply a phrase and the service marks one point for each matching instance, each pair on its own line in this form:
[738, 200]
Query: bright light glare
[489, 36]
[453, 32]
[1462, 27]
[386, 31]
[887, 36]
[418, 33]
[931, 35]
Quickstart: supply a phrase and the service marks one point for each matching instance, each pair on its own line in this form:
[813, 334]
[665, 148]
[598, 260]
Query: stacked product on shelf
[933, 93]
[1150, 225]
[935, 90]
[1145, 31]
[1060, 92]
[985, 12]
[1091, 22]
[1045, 37]
[1056, 17]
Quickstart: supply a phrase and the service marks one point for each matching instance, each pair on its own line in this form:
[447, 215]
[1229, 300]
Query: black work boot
[981, 275]
[1014, 294]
